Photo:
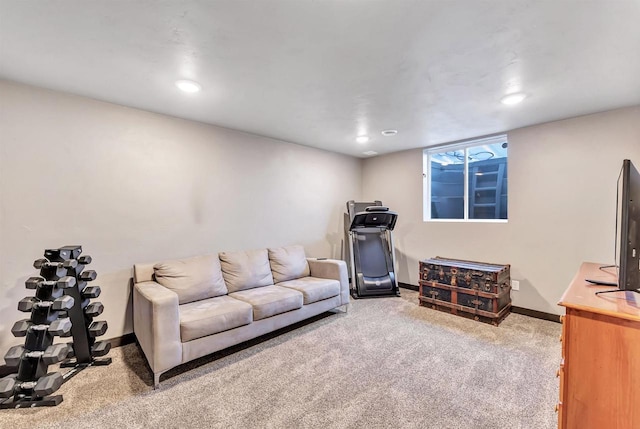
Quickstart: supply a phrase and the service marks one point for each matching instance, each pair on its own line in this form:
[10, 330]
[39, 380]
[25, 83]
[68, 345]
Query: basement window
[466, 181]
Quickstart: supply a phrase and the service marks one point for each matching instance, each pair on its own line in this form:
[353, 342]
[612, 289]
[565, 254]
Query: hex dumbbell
[68, 263]
[63, 303]
[48, 384]
[94, 309]
[55, 353]
[52, 354]
[100, 348]
[61, 327]
[66, 282]
[84, 260]
[35, 282]
[45, 263]
[88, 275]
[98, 328]
[45, 385]
[26, 303]
[21, 327]
[91, 292]
[39, 263]
[63, 253]
[7, 385]
[13, 356]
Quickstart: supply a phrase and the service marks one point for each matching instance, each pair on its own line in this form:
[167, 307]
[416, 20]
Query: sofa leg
[345, 308]
[156, 380]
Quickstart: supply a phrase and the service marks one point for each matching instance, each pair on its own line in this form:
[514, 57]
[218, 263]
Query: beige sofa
[188, 308]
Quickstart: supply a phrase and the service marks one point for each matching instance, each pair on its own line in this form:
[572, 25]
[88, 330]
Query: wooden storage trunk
[477, 290]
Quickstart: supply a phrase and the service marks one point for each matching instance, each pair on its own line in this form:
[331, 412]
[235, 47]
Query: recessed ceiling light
[362, 139]
[514, 98]
[188, 86]
[388, 133]
[369, 153]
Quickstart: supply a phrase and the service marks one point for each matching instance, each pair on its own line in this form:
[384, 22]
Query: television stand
[608, 266]
[601, 282]
[600, 367]
[618, 290]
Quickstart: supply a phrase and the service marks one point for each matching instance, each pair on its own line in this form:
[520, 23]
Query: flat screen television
[627, 230]
[629, 241]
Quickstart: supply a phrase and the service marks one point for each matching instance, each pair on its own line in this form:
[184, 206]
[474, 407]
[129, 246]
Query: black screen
[629, 262]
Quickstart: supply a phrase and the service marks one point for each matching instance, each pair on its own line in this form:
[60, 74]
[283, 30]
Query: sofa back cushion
[288, 263]
[246, 270]
[192, 279]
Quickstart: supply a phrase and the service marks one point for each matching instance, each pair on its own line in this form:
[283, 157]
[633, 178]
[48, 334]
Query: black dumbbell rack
[60, 307]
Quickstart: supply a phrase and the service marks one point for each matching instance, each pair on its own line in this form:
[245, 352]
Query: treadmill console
[378, 219]
[376, 209]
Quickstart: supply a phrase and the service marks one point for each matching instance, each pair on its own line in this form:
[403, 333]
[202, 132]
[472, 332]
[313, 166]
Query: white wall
[562, 200]
[132, 186]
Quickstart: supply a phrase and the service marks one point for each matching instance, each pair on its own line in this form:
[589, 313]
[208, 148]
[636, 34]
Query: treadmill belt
[371, 251]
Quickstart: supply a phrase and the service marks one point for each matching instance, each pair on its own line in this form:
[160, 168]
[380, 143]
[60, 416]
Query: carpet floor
[387, 363]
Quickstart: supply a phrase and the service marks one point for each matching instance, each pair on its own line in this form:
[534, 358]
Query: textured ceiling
[319, 73]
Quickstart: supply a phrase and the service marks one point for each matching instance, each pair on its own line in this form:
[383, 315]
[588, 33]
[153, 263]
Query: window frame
[426, 177]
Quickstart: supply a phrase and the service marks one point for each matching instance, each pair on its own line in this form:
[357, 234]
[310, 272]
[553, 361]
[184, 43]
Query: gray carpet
[387, 363]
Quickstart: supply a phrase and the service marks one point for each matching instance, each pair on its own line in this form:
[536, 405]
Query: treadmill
[370, 253]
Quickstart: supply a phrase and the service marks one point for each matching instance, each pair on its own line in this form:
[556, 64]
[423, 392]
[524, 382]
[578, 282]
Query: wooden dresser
[600, 368]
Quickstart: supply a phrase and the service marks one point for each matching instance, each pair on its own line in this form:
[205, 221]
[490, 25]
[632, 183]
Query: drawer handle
[560, 338]
[561, 319]
[557, 373]
[557, 407]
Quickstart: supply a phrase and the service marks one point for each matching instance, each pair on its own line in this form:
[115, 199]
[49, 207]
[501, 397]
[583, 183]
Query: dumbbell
[63, 303]
[52, 354]
[61, 327]
[63, 253]
[45, 263]
[21, 327]
[91, 292]
[55, 270]
[35, 282]
[6, 385]
[55, 353]
[26, 303]
[98, 328]
[88, 275]
[66, 282]
[48, 384]
[13, 356]
[100, 348]
[84, 260]
[45, 385]
[94, 309]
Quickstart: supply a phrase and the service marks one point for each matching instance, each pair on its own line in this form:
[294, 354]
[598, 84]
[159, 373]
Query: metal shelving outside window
[467, 181]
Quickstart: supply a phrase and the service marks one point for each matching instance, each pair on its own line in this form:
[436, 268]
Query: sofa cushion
[313, 289]
[288, 263]
[246, 270]
[213, 315]
[192, 278]
[270, 300]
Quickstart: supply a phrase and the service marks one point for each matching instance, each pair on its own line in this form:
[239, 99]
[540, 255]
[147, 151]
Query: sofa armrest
[332, 269]
[156, 323]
